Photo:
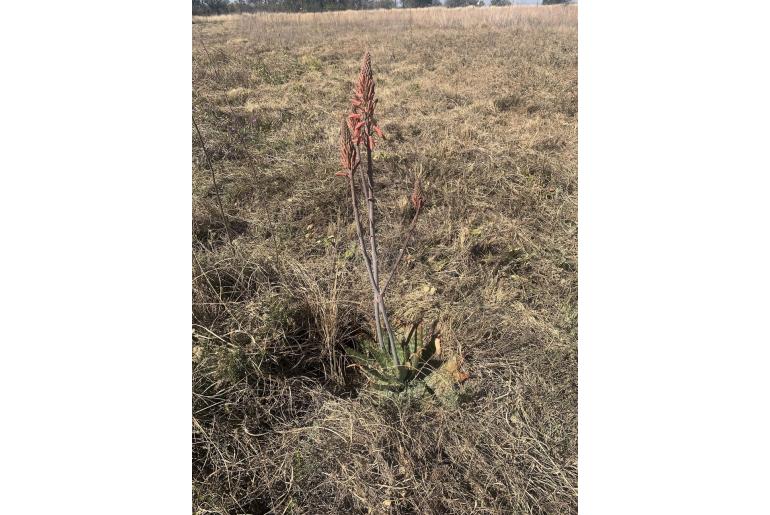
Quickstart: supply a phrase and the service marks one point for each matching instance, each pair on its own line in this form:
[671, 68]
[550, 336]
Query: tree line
[205, 7]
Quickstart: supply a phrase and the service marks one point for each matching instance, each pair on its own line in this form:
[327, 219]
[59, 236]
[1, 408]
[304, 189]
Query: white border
[673, 261]
[96, 257]
[673, 239]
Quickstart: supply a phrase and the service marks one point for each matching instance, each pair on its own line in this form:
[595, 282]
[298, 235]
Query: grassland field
[482, 102]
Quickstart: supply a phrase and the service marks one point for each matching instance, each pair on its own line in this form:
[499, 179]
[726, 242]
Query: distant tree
[417, 3]
[211, 6]
[205, 7]
[243, 6]
[554, 2]
[261, 5]
[460, 3]
[499, 3]
[198, 7]
[378, 4]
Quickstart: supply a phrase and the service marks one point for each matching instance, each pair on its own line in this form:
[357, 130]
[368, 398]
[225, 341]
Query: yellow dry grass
[466, 17]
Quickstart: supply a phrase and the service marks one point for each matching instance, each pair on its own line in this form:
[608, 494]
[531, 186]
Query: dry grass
[484, 101]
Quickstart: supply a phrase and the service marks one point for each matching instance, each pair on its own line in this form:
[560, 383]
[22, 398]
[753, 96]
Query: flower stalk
[358, 133]
[363, 125]
[418, 200]
[349, 158]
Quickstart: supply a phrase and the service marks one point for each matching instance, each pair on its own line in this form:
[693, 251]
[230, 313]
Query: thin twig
[367, 262]
[403, 248]
[214, 181]
[368, 189]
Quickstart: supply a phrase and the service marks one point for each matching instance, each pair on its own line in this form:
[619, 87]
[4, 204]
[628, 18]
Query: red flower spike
[363, 104]
[418, 199]
[348, 152]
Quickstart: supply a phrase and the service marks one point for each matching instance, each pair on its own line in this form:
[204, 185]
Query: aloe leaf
[382, 358]
[376, 376]
[385, 388]
[359, 356]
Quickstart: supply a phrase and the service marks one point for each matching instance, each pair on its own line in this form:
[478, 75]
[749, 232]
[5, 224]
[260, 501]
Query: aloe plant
[417, 356]
[394, 362]
[359, 129]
